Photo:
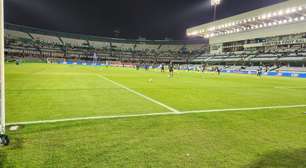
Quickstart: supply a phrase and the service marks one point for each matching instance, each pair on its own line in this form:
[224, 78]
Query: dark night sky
[153, 19]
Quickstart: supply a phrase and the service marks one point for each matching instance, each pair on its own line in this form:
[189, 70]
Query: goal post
[2, 80]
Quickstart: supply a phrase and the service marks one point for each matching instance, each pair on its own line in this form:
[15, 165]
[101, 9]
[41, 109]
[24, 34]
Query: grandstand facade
[273, 34]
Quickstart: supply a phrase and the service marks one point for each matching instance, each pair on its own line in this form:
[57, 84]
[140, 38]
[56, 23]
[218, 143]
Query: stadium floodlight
[215, 3]
[3, 138]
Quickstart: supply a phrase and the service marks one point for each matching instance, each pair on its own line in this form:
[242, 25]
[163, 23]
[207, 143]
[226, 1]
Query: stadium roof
[280, 19]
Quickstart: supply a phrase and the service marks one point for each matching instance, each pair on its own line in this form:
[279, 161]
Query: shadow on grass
[15, 145]
[284, 159]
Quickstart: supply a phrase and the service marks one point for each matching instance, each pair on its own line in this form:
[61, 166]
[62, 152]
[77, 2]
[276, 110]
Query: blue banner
[284, 74]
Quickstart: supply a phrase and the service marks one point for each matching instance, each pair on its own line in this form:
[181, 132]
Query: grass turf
[263, 138]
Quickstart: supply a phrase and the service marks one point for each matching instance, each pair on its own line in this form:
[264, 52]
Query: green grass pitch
[255, 138]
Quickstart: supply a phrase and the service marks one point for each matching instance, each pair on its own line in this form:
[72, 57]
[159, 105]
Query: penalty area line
[139, 94]
[153, 114]
[245, 109]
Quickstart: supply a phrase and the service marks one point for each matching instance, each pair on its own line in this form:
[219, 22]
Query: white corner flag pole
[2, 98]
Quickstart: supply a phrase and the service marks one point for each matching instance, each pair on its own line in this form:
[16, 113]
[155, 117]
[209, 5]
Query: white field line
[140, 94]
[153, 114]
[244, 109]
[63, 74]
[279, 87]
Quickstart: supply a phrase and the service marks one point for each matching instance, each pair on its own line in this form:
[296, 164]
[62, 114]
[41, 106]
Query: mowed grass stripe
[140, 94]
[154, 114]
[189, 91]
[265, 138]
[51, 96]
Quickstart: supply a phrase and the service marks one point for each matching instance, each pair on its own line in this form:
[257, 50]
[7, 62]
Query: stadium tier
[31, 43]
[268, 35]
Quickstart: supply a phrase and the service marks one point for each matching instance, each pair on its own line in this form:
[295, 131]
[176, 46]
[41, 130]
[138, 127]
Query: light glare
[215, 2]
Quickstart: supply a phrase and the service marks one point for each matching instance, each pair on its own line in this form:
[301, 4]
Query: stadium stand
[171, 47]
[269, 35]
[99, 45]
[273, 35]
[46, 39]
[27, 42]
[73, 42]
[12, 34]
[144, 47]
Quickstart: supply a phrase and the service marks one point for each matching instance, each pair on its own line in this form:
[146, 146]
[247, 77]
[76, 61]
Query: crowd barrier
[251, 72]
[81, 63]
[283, 74]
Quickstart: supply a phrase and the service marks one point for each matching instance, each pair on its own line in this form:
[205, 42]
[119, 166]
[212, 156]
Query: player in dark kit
[259, 72]
[162, 68]
[218, 70]
[171, 70]
[17, 62]
[203, 68]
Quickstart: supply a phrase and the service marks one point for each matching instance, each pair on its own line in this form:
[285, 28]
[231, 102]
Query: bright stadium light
[3, 138]
[215, 3]
[280, 13]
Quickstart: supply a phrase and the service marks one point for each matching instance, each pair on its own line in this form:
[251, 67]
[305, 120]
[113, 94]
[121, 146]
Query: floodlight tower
[214, 4]
[3, 138]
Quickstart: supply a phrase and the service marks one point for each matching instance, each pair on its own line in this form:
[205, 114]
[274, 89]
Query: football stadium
[232, 95]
